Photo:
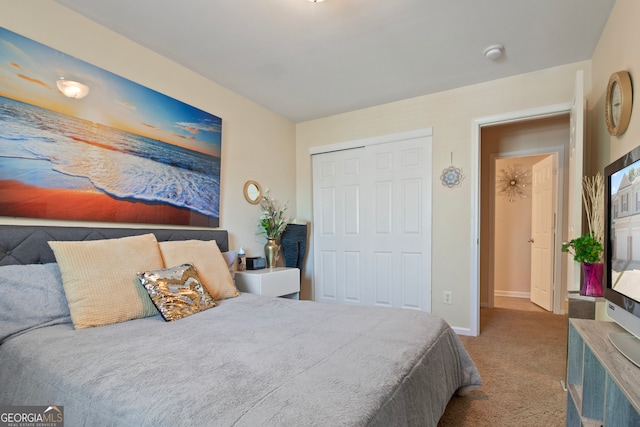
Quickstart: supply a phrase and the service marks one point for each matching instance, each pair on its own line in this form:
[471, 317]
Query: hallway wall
[512, 231]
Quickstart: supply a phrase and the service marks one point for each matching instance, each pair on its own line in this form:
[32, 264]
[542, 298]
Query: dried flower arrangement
[272, 219]
[589, 247]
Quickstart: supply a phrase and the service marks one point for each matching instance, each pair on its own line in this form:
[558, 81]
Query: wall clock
[618, 103]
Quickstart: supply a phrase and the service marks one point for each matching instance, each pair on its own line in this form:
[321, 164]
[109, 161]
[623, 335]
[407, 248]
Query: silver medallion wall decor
[452, 176]
[513, 182]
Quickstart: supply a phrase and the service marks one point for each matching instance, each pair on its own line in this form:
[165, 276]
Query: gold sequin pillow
[176, 292]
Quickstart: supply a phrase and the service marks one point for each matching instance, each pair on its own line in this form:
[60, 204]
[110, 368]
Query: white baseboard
[462, 331]
[512, 294]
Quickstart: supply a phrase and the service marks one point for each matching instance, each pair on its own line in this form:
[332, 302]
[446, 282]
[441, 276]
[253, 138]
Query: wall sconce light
[72, 89]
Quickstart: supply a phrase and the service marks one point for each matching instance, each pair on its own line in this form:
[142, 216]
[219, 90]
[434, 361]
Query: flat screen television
[622, 251]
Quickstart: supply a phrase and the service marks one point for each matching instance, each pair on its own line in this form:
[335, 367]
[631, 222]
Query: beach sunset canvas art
[123, 153]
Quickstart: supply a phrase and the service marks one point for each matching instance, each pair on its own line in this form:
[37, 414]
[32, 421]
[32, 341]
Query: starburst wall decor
[514, 182]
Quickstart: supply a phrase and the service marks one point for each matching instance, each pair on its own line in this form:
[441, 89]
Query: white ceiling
[307, 60]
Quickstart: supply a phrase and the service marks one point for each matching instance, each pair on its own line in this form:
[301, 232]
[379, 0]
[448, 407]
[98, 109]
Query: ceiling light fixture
[494, 52]
[316, 1]
[71, 89]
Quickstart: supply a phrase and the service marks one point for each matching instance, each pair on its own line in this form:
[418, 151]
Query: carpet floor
[521, 356]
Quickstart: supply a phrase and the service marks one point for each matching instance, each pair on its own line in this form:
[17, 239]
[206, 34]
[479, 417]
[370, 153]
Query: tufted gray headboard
[21, 244]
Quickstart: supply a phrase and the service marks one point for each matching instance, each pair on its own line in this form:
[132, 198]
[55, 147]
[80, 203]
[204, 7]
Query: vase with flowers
[272, 222]
[588, 249]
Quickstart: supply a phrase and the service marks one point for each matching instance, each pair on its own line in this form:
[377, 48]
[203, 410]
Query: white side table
[271, 282]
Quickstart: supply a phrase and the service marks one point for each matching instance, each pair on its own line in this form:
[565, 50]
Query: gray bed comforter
[251, 361]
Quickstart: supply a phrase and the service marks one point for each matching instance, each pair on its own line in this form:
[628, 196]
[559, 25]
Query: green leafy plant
[585, 249]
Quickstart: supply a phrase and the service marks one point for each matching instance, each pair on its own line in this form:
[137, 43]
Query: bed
[248, 361]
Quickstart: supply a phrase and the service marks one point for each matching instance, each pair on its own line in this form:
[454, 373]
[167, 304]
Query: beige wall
[617, 50]
[256, 143]
[450, 113]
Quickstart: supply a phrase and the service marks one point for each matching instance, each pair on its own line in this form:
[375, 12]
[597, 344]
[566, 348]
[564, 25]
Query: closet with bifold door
[372, 221]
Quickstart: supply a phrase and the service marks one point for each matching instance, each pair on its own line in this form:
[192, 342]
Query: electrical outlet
[448, 297]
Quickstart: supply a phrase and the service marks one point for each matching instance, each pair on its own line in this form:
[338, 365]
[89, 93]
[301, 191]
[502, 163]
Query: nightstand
[271, 282]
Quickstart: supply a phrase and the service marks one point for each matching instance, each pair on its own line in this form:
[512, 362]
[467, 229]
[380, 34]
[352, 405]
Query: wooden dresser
[604, 387]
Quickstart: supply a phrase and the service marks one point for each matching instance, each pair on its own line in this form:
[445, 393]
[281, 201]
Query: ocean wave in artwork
[118, 163]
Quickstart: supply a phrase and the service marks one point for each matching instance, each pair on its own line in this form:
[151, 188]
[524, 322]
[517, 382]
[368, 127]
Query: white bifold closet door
[372, 225]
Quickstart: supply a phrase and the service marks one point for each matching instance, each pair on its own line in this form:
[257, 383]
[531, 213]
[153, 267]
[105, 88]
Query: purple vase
[592, 283]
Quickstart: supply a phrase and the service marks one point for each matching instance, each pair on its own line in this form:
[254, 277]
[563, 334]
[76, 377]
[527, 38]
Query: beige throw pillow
[100, 278]
[208, 261]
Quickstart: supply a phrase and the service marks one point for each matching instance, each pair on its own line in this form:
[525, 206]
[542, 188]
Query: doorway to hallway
[522, 230]
[520, 142]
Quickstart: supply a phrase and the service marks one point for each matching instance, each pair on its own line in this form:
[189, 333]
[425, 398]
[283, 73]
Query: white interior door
[339, 242]
[372, 216]
[576, 165]
[543, 231]
[397, 214]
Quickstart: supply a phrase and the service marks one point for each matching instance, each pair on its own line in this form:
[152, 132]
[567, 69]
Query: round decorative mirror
[252, 192]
